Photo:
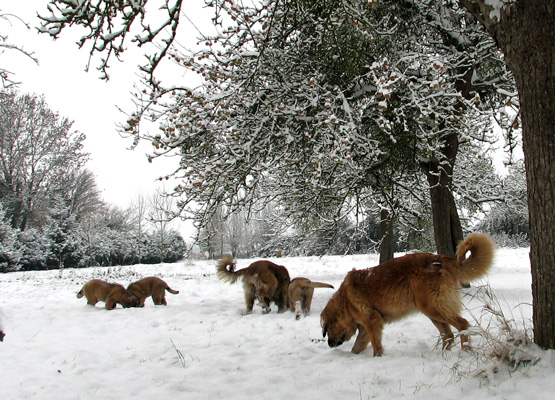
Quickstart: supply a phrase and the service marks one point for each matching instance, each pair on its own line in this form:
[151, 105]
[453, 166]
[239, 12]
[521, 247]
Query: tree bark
[439, 173]
[387, 244]
[525, 32]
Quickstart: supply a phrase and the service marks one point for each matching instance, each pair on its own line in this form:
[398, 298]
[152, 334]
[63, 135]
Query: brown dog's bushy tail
[320, 285]
[225, 274]
[479, 261]
[80, 294]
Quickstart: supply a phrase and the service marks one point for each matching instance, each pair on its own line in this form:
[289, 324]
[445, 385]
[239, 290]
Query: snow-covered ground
[201, 347]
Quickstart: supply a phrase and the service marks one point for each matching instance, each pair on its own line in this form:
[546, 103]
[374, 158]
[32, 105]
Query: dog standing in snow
[300, 295]
[429, 283]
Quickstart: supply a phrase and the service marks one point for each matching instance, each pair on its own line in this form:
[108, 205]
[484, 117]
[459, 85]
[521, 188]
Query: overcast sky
[88, 101]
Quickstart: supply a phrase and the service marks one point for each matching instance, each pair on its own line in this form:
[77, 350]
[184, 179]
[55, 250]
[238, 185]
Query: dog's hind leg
[263, 302]
[159, 300]
[455, 320]
[298, 309]
[446, 334]
[462, 325]
[249, 297]
[307, 301]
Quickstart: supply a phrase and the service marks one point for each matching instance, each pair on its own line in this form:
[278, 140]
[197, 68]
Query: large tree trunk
[525, 32]
[439, 173]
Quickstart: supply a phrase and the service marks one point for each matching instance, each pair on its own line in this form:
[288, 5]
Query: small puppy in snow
[151, 286]
[300, 295]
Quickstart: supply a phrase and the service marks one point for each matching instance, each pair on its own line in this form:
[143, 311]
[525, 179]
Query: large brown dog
[300, 295]
[151, 286]
[368, 299]
[262, 280]
[110, 293]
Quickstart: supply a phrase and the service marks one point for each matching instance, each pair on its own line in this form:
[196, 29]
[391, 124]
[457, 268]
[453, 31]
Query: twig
[179, 354]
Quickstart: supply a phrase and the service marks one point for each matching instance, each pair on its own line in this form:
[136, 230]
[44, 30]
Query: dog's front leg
[361, 343]
[373, 324]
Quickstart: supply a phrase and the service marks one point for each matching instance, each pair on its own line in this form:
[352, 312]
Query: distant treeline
[51, 211]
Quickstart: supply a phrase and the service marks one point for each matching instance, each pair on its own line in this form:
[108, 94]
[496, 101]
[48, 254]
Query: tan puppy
[262, 280]
[151, 286]
[110, 293]
[300, 295]
[368, 299]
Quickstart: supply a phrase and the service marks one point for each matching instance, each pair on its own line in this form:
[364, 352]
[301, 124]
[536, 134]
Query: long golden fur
[368, 299]
[110, 293]
[262, 280]
[300, 295]
[150, 286]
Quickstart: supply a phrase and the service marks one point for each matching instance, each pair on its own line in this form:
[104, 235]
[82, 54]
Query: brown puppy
[300, 295]
[151, 286]
[110, 293]
[368, 299]
[262, 280]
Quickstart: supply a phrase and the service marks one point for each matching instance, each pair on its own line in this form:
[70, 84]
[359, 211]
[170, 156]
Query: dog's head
[136, 290]
[128, 300]
[337, 322]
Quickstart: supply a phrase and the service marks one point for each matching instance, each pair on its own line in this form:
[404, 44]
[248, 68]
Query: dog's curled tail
[320, 285]
[479, 261]
[80, 294]
[225, 274]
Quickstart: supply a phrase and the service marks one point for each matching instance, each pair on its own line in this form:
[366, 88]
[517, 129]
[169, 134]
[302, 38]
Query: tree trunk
[387, 245]
[439, 173]
[525, 32]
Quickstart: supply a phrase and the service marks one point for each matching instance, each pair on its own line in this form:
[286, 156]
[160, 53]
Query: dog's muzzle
[333, 343]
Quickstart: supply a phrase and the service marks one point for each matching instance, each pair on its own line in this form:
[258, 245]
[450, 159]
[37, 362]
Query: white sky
[121, 174]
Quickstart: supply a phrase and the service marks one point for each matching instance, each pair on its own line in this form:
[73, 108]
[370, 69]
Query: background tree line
[505, 218]
[51, 211]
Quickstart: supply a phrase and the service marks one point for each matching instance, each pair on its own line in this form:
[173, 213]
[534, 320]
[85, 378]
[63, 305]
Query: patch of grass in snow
[502, 344]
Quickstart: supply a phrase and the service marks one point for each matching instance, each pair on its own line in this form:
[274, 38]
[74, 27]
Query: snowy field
[201, 347]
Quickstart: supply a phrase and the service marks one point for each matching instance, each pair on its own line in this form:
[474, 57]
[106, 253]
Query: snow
[495, 7]
[200, 346]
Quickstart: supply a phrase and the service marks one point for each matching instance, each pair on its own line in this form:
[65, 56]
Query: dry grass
[501, 344]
